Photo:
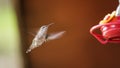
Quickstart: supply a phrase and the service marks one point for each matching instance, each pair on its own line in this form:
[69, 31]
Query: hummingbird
[42, 36]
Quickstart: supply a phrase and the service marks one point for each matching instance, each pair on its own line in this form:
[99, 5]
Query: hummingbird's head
[45, 27]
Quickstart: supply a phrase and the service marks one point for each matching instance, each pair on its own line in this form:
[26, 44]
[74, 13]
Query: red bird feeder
[109, 27]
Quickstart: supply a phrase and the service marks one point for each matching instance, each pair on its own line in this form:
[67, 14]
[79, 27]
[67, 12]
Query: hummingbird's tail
[29, 50]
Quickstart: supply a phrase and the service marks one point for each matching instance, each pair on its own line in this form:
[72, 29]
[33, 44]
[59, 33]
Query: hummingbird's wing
[55, 35]
[33, 34]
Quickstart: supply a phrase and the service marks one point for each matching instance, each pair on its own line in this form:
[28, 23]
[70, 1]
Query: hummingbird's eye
[43, 27]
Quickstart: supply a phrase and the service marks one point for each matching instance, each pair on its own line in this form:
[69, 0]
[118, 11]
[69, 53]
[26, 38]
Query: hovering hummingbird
[42, 37]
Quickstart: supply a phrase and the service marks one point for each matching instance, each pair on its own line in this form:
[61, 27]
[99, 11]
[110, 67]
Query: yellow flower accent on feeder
[108, 18]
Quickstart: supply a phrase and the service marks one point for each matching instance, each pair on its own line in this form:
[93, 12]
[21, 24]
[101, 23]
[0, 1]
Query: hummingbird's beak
[50, 24]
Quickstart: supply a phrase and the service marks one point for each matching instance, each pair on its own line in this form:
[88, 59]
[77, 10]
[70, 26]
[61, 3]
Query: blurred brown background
[77, 48]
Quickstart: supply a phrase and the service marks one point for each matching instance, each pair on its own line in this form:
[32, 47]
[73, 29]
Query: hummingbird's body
[42, 37]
